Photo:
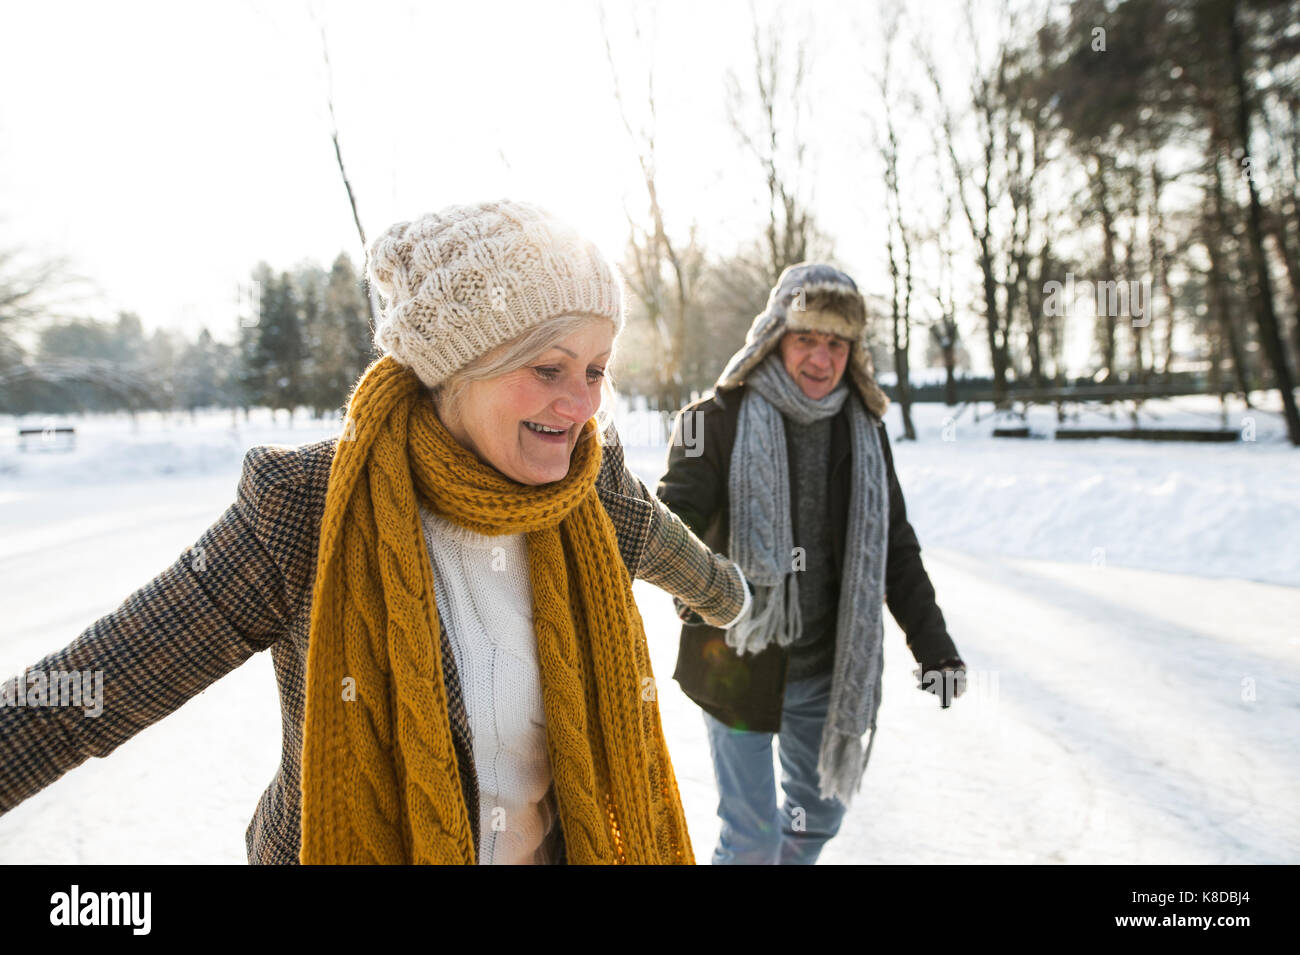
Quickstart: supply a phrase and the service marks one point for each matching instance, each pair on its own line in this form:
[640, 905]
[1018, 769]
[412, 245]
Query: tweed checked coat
[246, 586]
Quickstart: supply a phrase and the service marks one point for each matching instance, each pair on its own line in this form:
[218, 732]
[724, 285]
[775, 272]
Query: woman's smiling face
[526, 422]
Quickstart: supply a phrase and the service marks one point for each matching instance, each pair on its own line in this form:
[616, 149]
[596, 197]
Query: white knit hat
[459, 282]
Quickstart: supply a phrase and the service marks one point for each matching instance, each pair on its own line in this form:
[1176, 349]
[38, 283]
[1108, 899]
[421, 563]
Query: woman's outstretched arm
[221, 601]
[676, 560]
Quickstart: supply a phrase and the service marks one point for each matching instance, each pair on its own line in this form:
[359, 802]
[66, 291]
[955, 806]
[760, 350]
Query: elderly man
[793, 479]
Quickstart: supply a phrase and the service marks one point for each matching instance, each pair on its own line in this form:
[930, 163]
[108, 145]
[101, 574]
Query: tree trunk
[904, 383]
[898, 325]
[1219, 289]
[1288, 254]
[1261, 288]
[1160, 271]
[1108, 267]
[1215, 335]
[1034, 302]
[991, 322]
[950, 371]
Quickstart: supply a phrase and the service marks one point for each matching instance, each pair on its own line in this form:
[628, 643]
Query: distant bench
[1099, 398]
[1149, 434]
[1133, 434]
[47, 439]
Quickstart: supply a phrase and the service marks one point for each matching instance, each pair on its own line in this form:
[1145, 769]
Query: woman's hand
[708, 587]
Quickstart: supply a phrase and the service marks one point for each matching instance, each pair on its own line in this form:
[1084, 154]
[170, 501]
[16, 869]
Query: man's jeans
[753, 831]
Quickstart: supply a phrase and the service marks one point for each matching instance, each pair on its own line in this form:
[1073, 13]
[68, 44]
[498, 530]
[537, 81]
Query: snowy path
[1105, 724]
[1110, 716]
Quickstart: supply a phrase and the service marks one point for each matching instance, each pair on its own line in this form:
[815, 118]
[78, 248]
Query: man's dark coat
[747, 692]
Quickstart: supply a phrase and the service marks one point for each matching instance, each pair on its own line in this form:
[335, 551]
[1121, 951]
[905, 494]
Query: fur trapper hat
[811, 296]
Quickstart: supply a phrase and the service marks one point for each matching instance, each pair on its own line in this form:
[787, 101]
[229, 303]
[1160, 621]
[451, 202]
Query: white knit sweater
[485, 599]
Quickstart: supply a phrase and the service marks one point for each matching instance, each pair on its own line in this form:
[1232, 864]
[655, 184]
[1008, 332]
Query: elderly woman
[445, 589]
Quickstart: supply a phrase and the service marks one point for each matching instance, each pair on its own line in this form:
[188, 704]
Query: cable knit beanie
[459, 282]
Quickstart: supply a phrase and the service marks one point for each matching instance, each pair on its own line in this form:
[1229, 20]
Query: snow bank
[1220, 510]
[110, 449]
[1215, 510]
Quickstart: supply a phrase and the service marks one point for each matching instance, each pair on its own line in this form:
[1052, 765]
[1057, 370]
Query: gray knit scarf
[762, 544]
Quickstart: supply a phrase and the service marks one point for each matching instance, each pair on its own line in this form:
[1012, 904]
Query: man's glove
[946, 680]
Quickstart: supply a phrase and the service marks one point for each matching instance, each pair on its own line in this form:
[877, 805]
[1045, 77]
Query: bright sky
[167, 147]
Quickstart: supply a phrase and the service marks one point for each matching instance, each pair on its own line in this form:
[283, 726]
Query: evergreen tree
[202, 373]
[127, 343]
[270, 367]
[309, 286]
[244, 382]
[346, 302]
[160, 369]
[77, 338]
[337, 337]
[280, 345]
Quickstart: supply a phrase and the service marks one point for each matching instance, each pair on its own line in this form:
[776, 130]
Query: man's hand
[946, 680]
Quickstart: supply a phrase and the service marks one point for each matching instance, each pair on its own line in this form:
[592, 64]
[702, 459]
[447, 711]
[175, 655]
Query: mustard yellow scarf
[380, 780]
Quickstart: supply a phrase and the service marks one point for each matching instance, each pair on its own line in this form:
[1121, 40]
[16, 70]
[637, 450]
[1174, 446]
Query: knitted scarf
[761, 542]
[380, 780]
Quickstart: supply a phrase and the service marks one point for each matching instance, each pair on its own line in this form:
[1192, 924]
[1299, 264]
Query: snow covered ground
[1128, 613]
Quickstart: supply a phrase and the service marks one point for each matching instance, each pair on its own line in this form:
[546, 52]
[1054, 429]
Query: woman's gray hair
[515, 354]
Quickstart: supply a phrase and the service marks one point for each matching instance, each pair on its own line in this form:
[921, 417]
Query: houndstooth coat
[246, 586]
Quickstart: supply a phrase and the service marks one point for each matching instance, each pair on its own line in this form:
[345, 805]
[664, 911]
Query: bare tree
[1283, 172]
[1214, 229]
[776, 141]
[1158, 256]
[32, 287]
[664, 275]
[1026, 129]
[1261, 289]
[371, 297]
[978, 177]
[944, 329]
[898, 240]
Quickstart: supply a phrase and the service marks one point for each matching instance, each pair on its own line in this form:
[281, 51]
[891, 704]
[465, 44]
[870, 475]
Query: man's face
[815, 360]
